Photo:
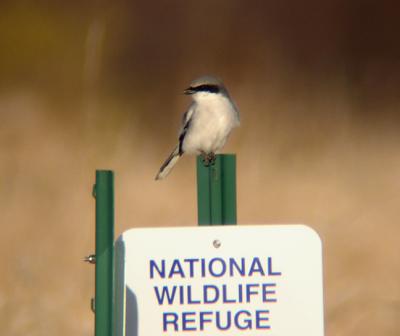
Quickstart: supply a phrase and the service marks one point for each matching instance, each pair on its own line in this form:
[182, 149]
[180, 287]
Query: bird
[207, 123]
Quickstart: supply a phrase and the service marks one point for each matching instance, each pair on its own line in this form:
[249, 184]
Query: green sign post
[103, 191]
[216, 200]
[216, 191]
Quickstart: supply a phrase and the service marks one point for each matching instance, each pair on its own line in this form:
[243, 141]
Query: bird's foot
[208, 159]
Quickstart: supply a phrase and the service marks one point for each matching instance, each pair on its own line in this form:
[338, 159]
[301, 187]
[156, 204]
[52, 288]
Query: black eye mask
[203, 88]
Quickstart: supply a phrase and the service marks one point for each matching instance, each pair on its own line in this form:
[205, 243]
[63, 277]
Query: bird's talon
[208, 159]
[206, 162]
[211, 158]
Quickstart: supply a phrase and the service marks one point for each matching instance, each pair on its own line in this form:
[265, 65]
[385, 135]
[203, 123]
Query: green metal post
[104, 194]
[216, 190]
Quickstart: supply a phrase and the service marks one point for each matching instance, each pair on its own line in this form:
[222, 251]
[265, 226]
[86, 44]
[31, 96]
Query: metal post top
[216, 190]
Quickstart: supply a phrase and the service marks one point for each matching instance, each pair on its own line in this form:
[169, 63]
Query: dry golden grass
[95, 85]
[339, 176]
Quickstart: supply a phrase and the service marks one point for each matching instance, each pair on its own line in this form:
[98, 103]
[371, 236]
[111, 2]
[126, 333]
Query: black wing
[186, 120]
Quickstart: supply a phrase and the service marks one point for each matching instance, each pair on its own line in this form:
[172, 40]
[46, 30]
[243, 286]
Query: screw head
[217, 243]
[91, 259]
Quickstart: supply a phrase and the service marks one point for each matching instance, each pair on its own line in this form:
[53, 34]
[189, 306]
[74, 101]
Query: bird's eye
[207, 88]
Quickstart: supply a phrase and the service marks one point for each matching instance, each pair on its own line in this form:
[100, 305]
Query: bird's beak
[188, 91]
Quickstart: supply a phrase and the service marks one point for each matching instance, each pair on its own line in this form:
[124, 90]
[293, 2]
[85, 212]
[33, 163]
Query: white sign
[219, 280]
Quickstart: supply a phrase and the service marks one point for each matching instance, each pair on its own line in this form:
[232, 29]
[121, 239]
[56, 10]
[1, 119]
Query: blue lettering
[225, 295]
[165, 293]
[212, 270]
[203, 268]
[266, 292]
[240, 296]
[234, 265]
[246, 323]
[203, 319]
[191, 266]
[256, 267]
[227, 323]
[270, 271]
[206, 293]
[261, 319]
[249, 291]
[170, 318]
[176, 268]
[187, 320]
[222, 320]
[189, 296]
[154, 266]
[216, 267]
[181, 295]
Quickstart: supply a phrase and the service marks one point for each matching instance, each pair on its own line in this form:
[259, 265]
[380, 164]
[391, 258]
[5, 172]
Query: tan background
[87, 85]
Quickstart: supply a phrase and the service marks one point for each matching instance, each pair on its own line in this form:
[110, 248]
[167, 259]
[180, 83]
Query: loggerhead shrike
[206, 124]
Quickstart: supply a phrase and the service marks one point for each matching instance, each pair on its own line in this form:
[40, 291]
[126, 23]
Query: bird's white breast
[213, 118]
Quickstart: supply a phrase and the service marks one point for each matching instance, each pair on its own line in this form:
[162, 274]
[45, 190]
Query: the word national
[214, 267]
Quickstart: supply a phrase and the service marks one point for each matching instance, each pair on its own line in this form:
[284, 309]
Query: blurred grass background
[96, 84]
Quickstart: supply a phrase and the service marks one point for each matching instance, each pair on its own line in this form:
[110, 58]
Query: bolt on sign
[219, 280]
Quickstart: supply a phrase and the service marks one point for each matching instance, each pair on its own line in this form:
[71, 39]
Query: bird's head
[206, 87]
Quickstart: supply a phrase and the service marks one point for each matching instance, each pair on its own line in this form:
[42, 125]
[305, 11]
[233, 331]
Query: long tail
[169, 164]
